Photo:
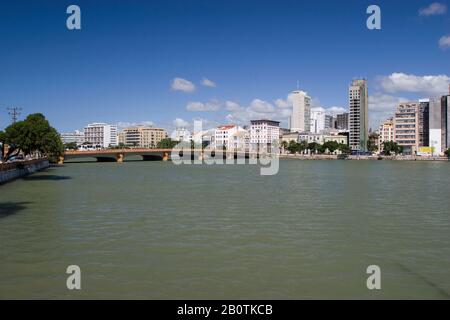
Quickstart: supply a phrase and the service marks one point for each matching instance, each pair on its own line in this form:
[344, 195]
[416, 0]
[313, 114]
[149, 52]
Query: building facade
[342, 121]
[317, 121]
[386, 133]
[406, 127]
[320, 138]
[101, 135]
[424, 122]
[264, 133]
[69, 137]
[301, 111]
[439, 119]
[143, 136]
[359, 115]
[181, 134]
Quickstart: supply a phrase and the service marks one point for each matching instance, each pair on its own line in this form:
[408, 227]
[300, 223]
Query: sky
[166, 63]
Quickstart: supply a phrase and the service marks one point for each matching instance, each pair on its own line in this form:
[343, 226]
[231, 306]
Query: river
[154, 230]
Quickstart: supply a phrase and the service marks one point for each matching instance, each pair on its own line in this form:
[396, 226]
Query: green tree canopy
[390, 147]
[344, 148]
[71, 146]
[167, 143]
[33, 135]
[332, 146]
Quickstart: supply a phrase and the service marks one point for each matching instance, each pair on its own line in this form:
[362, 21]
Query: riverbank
[15, 170]
[352, 157]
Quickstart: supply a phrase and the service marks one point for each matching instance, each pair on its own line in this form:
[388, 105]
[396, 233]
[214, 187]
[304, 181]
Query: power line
[14, 112]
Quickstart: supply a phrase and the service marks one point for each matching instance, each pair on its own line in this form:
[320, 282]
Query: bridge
[118, 155]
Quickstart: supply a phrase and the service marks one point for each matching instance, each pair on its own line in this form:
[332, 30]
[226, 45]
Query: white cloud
[284, 104]
[429, 85]
[261, 106]
[257, 109]
[232, 106]
[433, 9]
[123, 125]
[180, 84]
[208, 83]
[212, 105]
[180, 123]
[335, 110]
[444, 42]
[382, 106]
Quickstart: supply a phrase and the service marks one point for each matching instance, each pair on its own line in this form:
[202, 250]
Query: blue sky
[120, 67]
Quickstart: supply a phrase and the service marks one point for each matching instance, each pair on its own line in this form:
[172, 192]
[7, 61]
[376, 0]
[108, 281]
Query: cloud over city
[432, 85]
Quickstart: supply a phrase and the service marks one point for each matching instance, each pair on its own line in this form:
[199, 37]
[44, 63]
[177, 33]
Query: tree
[293, 147]
[71, 146]
[303, 146]
[344, 148]
[284, 145]
[447, 153]
[332, 146]
[390, 147]
[167, 143]
[34, 135]
[313, 146]
[372, 142]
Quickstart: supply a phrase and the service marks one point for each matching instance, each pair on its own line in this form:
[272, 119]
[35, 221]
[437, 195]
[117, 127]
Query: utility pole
[14, 112]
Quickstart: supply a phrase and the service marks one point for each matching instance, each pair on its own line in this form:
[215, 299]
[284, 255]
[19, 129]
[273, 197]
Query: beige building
[288, 137]
[386, 133]
[406, 126]
[143, 137]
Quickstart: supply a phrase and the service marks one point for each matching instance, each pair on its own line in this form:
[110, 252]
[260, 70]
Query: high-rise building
[143, 136]
[342, 121]
[439, 124]
[406, 126]
[359, 115]
[301, 109]
[317, 121]
[424, 122]
[330, 122]
[385, 133]
[264, 133]
[101, 134]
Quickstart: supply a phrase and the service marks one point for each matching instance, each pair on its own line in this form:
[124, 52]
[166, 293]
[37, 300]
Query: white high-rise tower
[301, 111]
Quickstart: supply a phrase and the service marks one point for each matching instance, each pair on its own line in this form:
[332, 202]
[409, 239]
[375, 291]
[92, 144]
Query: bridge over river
[118, 155]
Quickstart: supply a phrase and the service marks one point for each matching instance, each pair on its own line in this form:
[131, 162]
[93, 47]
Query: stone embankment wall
[14, 170]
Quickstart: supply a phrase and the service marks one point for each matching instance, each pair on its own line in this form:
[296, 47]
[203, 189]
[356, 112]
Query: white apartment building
[359, 115]
[181, 134]
[232, 137]
[386, 133]
[301, 111]
[101, 134]
[75, 136]
[264, 133]
[317, 122]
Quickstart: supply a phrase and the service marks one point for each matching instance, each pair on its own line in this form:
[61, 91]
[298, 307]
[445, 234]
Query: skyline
[158, 62]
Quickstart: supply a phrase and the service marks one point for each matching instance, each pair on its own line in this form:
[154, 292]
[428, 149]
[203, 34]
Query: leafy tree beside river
[32, 136]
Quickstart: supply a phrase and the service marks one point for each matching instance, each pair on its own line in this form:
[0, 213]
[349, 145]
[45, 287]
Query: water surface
[153, 230]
